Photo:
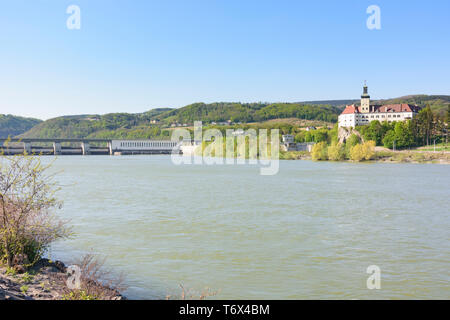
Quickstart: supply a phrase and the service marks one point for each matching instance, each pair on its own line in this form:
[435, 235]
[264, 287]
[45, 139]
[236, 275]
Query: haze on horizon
[132, 57]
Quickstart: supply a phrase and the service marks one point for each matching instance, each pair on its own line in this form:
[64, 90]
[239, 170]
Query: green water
[308, 232]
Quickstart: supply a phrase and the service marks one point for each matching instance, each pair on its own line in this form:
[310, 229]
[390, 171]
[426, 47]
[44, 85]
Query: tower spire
[365, 91]
[365, 99]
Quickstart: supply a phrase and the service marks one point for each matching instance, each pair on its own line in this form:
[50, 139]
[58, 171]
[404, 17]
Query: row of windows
[148, 144]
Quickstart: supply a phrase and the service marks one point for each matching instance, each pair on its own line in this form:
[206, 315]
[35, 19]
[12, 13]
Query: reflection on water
[308, 232]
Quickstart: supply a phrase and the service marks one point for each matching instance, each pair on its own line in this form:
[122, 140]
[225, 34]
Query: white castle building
[360, 115]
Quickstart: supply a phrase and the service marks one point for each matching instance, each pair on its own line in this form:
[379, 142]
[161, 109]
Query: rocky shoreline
[46, 280]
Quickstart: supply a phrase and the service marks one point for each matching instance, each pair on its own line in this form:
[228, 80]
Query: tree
[369, 149]
[403, 134]
[320, 151]
[373, 132]
[364, 151]
[353, 140]
[336, 151]
[424, 125]
[357, 153]
[389, 138]
[27, 195]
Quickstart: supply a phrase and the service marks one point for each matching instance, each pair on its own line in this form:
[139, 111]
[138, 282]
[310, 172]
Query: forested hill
[151, 124]
[12, 125]
[438, 104]
[248, 112]
[154, 123]
[112, 125]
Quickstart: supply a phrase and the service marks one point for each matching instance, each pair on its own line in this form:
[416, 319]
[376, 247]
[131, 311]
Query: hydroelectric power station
[13, 146]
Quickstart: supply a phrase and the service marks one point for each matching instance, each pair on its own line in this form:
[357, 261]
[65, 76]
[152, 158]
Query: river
[308, 232]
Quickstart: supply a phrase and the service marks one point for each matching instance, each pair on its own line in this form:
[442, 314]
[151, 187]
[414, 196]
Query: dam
[61, 146]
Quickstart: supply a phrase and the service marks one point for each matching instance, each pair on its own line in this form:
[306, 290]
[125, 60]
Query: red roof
[401, 107]
[350, 109]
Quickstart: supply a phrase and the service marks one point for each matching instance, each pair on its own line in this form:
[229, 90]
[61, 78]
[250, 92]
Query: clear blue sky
[131, 56]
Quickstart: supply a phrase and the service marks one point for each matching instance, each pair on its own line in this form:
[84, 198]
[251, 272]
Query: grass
[293, 155]
[27, 277]
[79, 295]
[439, 147]
[10, 271]
[412, 156]
[24, 289]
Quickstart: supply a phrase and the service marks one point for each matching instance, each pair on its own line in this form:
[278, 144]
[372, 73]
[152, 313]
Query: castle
[353, 116]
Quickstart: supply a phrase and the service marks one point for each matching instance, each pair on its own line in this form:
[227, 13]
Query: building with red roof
[353, 116]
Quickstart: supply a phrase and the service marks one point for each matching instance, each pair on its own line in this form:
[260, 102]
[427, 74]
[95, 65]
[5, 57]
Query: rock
[19, 269]
[50, 269]
[61, 266]
[344, 134]
[20, 259]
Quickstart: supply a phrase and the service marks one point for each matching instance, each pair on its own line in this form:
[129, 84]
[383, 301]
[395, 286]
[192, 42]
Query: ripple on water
[309, 232]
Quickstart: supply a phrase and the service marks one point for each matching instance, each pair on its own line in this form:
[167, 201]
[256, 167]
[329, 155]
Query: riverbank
[385, 156]
[46, 280]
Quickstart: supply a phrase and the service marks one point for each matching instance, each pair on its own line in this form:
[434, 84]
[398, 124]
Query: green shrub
[369, 150]
[27, 225]
[336, 152]
[357, 153]
[320, 151]
[363, 151]
[24, 289]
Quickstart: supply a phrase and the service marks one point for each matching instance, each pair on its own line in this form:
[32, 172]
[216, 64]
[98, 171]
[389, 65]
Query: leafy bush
[336, 152]
[27, 225]
[365, 151]
[320, 151]
[356, 152]
[369, 150]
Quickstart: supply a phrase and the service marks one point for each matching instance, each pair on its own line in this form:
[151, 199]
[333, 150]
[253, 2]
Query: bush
[336, 152]
[364, 151]
[352, 141]
[96, 281]
[356, 152]
[369, 150]
[320, 151]
[27, 226]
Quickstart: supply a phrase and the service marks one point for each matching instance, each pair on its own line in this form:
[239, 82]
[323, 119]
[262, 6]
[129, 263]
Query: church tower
[365, 100]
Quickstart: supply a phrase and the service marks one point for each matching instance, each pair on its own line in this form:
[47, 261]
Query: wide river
[309, 232]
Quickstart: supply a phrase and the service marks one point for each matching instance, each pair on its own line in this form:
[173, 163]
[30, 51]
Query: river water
[309, 232]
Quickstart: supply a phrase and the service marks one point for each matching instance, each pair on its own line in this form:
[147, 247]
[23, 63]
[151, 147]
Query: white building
[360, 115]
[143, 145]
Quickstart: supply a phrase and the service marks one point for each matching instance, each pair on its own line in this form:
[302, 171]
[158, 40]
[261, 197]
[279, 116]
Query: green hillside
[438, 104]
[155, 123]
[12, 125]
[112, 125]
[248, 112]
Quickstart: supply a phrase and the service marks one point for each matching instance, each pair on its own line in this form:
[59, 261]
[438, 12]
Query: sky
[132, 56]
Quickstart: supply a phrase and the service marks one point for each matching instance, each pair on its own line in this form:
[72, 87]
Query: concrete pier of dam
[13, 146]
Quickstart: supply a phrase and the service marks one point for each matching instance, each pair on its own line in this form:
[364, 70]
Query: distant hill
[13, 125]
[248, 112]
[153, 123]
[334, 103]
[112, 125]
[438, 104]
